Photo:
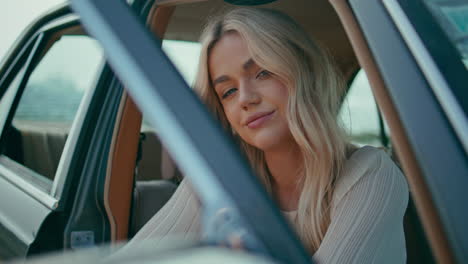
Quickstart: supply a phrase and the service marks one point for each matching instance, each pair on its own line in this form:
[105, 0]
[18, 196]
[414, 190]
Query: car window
[184, 55]
[155, 162]
[452, 16]
[359, 113]
[49, 103]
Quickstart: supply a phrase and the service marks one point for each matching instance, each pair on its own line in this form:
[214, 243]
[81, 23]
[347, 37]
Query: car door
[415, 55]
[58, 101]
[35, 127]
[194, 139]
[48, 88]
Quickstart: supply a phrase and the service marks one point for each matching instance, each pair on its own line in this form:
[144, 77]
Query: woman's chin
[269, 138]
[265, 143]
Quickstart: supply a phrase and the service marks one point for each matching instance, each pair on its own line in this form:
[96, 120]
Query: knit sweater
[367, 210]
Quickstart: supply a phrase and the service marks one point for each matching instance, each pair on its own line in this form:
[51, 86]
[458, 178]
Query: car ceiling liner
[249, 2]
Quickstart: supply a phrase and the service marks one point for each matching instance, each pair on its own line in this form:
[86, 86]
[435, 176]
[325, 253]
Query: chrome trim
[434, 77]
[8, 97]
[60, 21]
[38, 194]
[12, 91]
[70, 144]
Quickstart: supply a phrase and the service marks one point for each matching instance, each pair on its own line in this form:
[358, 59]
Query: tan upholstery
[155, 163]
[119, 179]
[121, 166]
[149, 166]
[148, 198]
[156, 173]
[42, 147]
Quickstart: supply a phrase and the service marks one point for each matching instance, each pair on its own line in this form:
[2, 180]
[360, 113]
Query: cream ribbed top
[366, 226]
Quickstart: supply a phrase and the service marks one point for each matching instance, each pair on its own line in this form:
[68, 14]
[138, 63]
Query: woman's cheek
[231, 117]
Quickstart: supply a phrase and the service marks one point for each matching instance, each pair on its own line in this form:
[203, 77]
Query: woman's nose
[248, 96]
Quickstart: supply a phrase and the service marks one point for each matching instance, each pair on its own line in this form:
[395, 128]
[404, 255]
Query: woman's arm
[367, 219]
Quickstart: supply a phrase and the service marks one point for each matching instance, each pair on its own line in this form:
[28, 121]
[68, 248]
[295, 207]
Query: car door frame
[38, 224]
[374, 31]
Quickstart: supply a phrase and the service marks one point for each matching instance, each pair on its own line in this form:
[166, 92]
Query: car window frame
[447, 77]
[438, 194]
[383, 133]
[17, 173]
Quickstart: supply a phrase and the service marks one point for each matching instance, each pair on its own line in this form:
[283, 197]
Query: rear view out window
[184, 55]
[50, 102]
[359, 114]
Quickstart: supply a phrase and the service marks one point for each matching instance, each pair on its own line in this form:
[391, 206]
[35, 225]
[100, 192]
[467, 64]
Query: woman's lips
[259, 121]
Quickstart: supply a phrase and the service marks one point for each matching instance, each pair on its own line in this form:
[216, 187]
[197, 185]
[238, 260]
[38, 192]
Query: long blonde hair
[278, 44]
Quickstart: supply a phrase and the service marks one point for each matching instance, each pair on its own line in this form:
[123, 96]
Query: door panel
[431, 135]
[24, 205]
[21, 217]
[35, 152]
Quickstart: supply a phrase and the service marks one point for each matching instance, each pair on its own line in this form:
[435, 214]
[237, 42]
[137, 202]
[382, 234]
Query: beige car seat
[156, 180]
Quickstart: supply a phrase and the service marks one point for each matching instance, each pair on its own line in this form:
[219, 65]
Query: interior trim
[159, 19]
[119, 183]
[118, 188]
[27, 187]
[422, 197]
[107, 205]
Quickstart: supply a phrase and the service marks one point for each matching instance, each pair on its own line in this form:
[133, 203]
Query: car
[88, 100]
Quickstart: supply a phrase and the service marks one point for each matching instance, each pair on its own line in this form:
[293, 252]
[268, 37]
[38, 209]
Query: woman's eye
[263, 74]
[229, 92]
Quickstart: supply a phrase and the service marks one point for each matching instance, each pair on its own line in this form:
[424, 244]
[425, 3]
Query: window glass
[184, 55]
[452, 16]
[7, 99]
[359, 114]
[50, 102]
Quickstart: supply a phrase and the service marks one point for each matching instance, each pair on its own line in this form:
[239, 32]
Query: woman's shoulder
[371, 164]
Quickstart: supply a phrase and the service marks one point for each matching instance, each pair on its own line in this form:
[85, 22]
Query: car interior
[183, 21]
[141, 175]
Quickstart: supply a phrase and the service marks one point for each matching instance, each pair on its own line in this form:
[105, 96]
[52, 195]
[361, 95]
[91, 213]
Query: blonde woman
[278, 93]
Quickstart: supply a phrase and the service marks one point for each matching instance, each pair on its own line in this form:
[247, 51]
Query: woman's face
[254, 100]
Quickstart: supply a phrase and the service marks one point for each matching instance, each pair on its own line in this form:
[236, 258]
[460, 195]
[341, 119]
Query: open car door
[58, 102]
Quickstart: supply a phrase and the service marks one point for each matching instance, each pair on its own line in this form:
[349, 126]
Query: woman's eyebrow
[220, 79]
[246, 66]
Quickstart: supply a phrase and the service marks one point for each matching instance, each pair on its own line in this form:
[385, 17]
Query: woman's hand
[225, 228]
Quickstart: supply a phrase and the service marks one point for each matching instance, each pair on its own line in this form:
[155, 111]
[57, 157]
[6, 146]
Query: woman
[278, 93]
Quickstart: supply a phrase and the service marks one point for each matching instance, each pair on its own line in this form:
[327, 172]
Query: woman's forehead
[230, 54]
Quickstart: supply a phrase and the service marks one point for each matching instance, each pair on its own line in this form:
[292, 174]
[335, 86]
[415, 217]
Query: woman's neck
[285, 166]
